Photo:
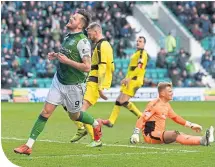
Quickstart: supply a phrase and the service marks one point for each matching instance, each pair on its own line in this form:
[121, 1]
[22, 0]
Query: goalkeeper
[152, 122]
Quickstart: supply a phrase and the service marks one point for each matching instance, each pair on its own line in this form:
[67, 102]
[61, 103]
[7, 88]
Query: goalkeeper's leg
[172, 136]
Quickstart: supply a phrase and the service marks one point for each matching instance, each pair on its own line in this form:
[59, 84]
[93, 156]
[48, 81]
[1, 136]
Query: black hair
[143, 38]
[86, 17]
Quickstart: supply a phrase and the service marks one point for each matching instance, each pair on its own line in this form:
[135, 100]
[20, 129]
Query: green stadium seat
[161, 72]
[47, 82]
[155, 81]
[23, 40]
[21, 80]
[125, 63]
[22, 52]
[164, 79]
[116, 70]
[129, 51]
[22, 60]
[205, 43]
[147, 75]
[124, 70]
[40, 82]
[154, 75]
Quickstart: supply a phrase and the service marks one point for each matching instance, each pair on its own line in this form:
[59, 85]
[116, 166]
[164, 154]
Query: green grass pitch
[53, 148]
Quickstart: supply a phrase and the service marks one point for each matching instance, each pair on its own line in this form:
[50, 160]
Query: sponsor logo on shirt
[65, 51]
[85, 51]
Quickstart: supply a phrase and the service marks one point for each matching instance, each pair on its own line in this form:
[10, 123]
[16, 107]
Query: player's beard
[70, 27]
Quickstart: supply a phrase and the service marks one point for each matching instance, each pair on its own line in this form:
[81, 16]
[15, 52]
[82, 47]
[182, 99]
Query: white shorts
[70, 96]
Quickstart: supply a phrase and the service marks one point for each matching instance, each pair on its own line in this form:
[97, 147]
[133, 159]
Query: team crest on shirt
[71, 42]
[85, 51]
[147, 113]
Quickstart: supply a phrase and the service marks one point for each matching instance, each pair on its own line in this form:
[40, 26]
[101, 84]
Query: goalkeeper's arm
[185, 123]
[135, 136]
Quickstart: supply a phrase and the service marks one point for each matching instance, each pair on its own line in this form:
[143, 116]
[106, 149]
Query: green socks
[38, 127]
[85, 118]
[41, 122]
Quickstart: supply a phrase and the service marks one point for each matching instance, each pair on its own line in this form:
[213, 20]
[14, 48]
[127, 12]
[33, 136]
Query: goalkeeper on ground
[132, 82]
[152, 123]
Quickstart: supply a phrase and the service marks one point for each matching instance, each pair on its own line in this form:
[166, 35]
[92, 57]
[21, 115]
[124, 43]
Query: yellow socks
[115, 112]
[116, 109]
[80, 125]
[88, 127]
[89, 130]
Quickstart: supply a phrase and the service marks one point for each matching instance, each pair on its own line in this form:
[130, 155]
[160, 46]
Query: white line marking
[93, 155]
[108, 145]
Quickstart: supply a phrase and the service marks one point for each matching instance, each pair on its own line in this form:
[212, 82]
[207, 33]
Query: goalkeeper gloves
[193, 126]
[135, 137]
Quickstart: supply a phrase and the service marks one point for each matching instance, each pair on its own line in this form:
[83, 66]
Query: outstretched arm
[178, 119]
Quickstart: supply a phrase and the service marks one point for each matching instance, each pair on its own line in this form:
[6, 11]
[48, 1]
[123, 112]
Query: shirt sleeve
[147, 114]
[105, 52]
[84, 48]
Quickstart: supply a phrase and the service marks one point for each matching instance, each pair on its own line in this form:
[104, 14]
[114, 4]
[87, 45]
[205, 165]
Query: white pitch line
[108, 145]
[94, 155]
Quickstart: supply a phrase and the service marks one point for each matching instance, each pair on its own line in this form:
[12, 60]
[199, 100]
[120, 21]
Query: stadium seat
[151, 64]
[47, 82]
[124, 70]
[154, 75]
[147, 75]
[125, 63]
[22, 60]
[161, 72]
[129, 51]
[117, 63]
[205, 43]
[40, 82]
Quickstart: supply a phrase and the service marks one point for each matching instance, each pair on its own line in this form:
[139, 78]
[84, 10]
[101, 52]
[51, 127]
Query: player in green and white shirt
[67, 87]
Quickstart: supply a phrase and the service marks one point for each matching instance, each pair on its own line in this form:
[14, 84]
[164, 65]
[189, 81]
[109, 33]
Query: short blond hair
[94, 25]
[163, 85]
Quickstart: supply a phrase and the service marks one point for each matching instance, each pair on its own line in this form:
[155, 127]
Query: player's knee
[46, 113]
[121, 102]
[118, 103]
[175, 134]
[64, 107]
[125, 104]
[74, 116]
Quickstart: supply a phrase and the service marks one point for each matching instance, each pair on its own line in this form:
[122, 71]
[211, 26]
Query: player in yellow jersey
[100, 78]
[131, 83]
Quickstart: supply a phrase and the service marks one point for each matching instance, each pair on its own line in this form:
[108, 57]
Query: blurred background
[180, 40]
